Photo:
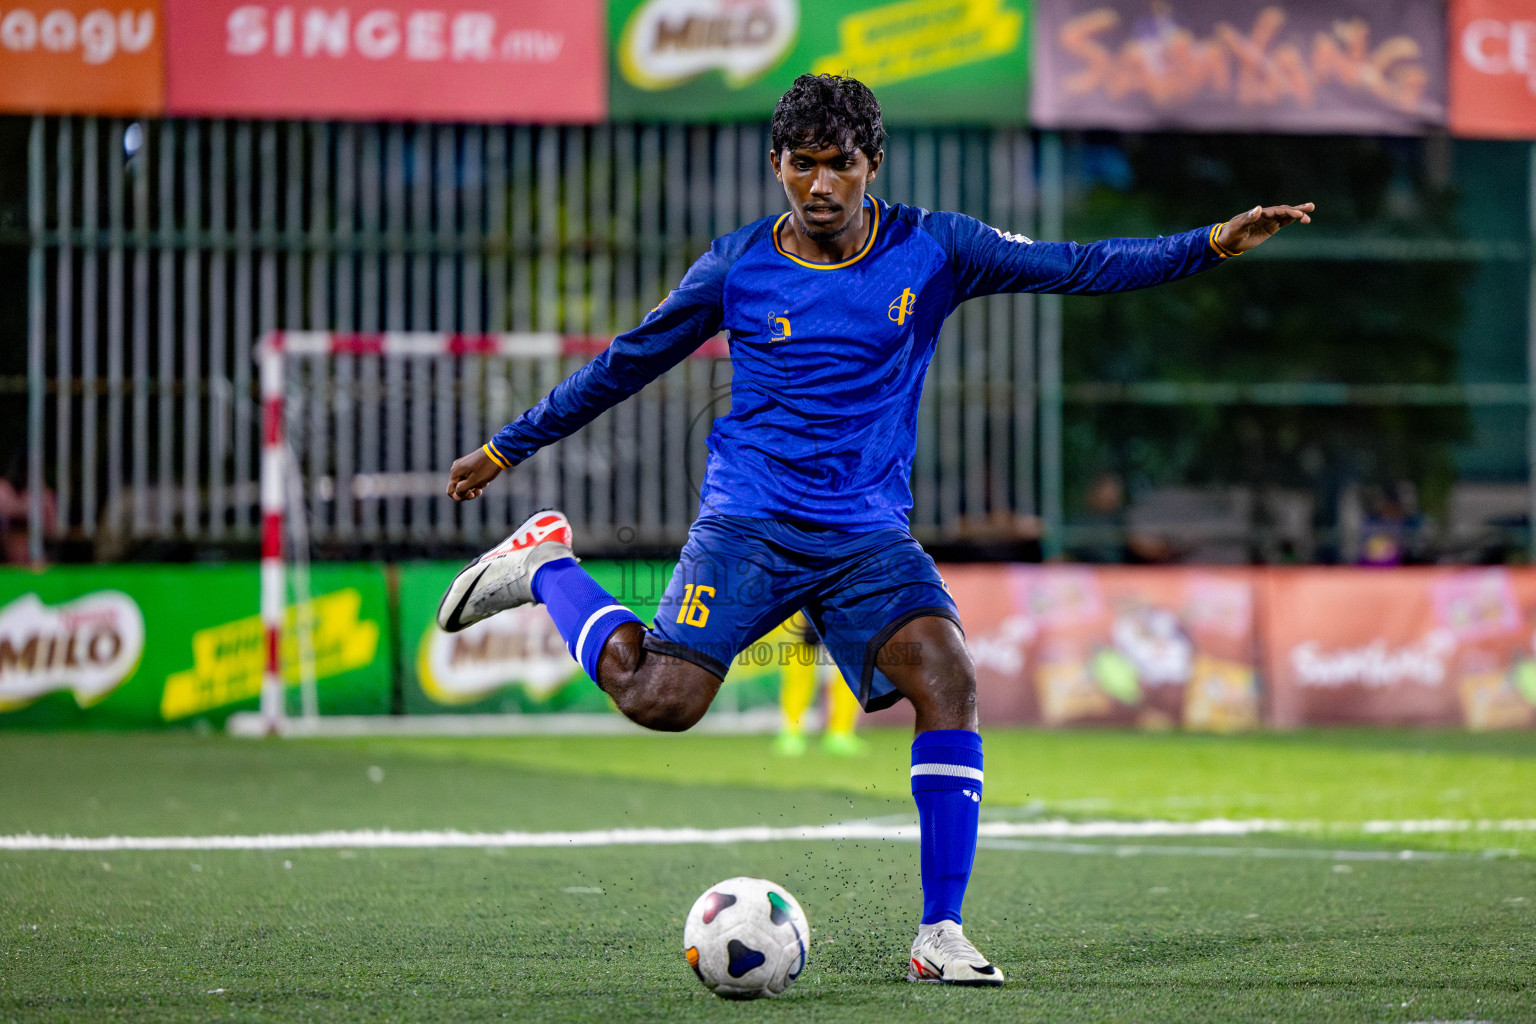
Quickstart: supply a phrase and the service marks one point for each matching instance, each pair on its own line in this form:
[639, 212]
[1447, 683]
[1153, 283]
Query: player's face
[825, 187]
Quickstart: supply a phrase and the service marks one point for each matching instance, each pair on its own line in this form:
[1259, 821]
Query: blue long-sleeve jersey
[828, 360]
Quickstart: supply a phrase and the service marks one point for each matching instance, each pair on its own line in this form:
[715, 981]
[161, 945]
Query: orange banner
[1493, 68]
[82, 56]
[1224, 649]
[1066, 645]
[1400, 647]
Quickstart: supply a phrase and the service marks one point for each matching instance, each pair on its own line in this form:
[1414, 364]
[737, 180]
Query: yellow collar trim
[869, 243]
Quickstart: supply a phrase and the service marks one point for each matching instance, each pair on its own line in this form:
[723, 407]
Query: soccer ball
[746, 938]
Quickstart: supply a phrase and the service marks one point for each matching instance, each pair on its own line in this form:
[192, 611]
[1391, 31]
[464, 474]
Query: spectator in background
[14, 511]
[1107, 535]
[1390, 530]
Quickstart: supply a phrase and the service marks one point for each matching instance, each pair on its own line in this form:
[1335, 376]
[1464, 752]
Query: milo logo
[89, 646]
[516, 648]
[667, 42]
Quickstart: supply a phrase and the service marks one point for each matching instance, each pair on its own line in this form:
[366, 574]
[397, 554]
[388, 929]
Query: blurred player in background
[833, 310]
[801, 665]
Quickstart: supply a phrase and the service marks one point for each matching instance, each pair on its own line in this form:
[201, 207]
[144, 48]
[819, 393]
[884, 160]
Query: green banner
[928, 61]
[517, 662]
[138, 647]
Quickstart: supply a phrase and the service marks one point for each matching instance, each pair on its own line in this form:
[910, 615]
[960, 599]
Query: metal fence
[161, 250]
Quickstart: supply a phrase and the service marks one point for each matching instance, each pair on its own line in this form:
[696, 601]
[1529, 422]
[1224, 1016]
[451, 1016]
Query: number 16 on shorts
[694, 612]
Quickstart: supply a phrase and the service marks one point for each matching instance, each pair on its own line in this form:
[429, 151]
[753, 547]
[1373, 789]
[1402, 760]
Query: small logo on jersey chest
[901, 307]
[778, 328]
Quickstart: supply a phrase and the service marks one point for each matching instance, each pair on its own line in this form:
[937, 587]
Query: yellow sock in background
[842, 707]
[797, 686]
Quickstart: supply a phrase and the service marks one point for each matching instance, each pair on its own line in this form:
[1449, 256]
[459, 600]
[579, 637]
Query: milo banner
[516, 661]
[150, 646]
[1306, 66]
[929, 61]
[1067, 645]
[1442, 647]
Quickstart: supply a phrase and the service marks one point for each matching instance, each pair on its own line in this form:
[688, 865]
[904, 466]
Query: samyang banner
[452, 60]
[1301, 66]
[928, 61]
[1493, 68]
[1147, 647]
[135, 647]
[82, 57]
[1425, 647]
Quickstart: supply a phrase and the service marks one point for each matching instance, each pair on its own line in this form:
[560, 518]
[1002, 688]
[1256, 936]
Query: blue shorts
[739, 577]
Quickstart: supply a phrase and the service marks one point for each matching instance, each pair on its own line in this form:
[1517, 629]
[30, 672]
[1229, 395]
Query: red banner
[486, 60]
[1493, 68]
[82, 56]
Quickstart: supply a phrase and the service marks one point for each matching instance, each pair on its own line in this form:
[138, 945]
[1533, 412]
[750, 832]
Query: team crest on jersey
[1009, 236]
[779, 329]
[901, 307]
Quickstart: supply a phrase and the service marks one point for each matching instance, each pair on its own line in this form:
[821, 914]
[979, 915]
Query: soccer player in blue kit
[832, 310]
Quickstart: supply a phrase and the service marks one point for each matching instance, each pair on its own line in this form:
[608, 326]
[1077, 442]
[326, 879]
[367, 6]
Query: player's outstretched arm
[680, 323]
[987, 261]
[1253, 227]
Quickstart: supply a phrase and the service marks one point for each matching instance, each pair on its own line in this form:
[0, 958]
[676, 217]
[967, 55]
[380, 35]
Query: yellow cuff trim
[491, 452]
[1216, 230]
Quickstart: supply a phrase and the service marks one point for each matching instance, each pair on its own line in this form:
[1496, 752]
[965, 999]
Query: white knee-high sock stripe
[586, 628]
[958, 770]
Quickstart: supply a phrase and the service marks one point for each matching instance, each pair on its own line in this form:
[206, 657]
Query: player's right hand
[469, 474]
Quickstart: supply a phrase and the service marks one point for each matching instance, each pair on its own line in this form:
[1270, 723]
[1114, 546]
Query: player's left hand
[469, 474]
[1252, 227]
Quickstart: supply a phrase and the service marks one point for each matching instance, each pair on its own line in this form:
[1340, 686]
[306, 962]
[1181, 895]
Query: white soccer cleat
[502, 578]
[942, 953]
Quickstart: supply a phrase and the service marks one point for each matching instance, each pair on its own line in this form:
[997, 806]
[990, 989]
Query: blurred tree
[1354, 321]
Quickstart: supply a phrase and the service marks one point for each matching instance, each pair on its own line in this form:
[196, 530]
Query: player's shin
[585, 614]
[946, 784]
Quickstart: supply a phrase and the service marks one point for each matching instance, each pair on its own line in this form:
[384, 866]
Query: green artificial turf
[1271, 930]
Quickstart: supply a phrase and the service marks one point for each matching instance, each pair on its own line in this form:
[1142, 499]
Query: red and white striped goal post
[272, 352]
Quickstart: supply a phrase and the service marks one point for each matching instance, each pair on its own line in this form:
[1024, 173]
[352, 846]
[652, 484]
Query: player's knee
[664, 703]
[665, 713]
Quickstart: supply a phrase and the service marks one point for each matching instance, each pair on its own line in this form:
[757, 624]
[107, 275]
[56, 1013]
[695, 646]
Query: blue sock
[585, 614]
[946, 783]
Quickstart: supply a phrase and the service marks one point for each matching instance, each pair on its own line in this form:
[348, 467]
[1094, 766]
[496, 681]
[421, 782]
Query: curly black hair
[828, 110]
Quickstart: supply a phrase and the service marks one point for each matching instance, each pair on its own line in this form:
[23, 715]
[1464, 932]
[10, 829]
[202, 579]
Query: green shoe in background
[789, 744]
[843, 744]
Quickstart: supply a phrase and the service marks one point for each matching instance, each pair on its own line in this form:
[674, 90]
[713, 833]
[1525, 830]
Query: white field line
[1261, 852]
[853, 830]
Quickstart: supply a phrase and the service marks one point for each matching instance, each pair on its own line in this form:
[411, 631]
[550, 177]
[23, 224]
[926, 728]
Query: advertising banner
[1442, 647]
[928, 61]
[516, 662]
[1068, 645]
[1493, 68]
[147, 646]
[82, 56]
[1305, 66]
[452, 60]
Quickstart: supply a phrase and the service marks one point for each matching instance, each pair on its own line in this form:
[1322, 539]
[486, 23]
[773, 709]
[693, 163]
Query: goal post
[274, 351]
